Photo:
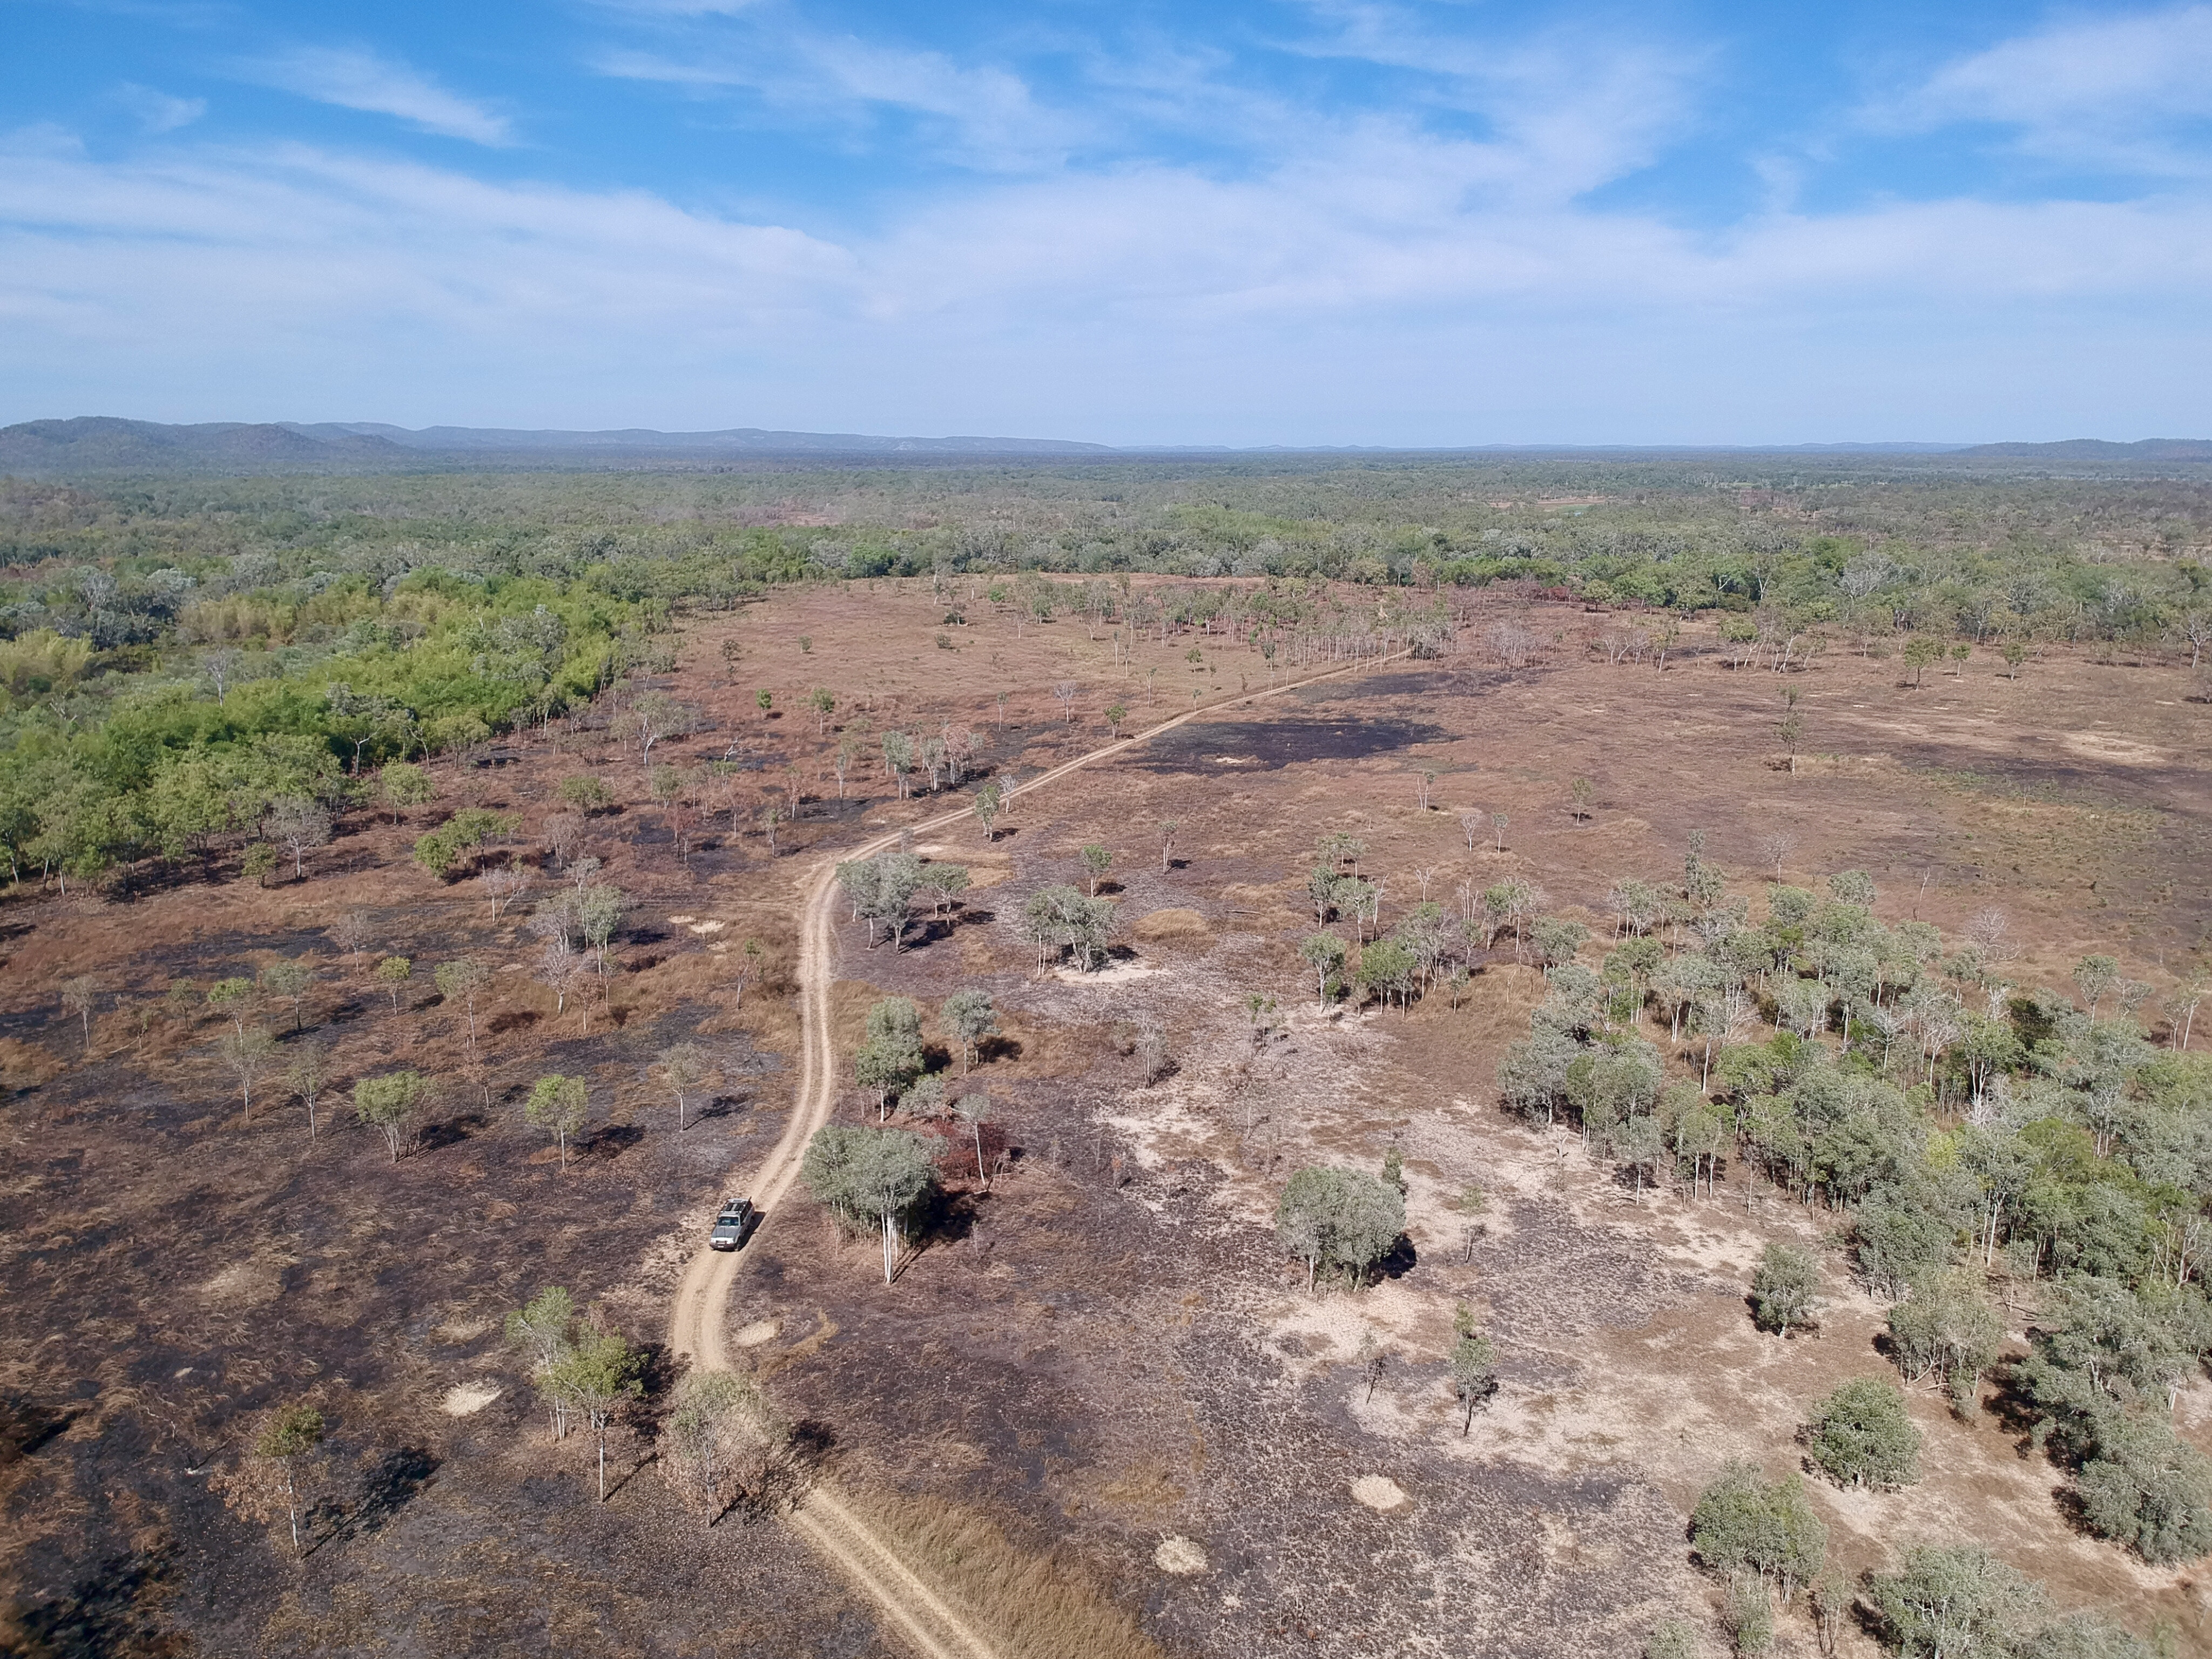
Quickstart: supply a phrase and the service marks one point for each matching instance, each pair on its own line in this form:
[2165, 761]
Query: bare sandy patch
[1379, 1492]
[244, 1285]
[1121, 973]
[752, 1336]
[467, 1398]
[1179, 1555]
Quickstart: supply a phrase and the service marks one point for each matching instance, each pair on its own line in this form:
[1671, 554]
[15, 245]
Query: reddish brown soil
[1105, 1346]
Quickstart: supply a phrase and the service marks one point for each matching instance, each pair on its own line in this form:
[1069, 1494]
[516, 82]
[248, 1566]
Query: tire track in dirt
[700, 1315]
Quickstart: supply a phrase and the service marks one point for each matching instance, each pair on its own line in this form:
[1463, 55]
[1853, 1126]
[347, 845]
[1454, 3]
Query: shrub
[1860, 1435]
[2085, 1636]
[1749, 1615]
[1946, 1326]
[403, 784]
[1785, 1288]
[585, 794]
[1958, 1601]
[1744, 1521]
[440, 850]
[2149, 1490]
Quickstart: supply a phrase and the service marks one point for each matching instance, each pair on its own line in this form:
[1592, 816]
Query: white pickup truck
[732, 1224]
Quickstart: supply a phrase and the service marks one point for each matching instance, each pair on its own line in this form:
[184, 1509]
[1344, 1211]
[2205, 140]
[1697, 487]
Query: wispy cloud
[982, 115]
[2109, 91]
[157, 112]
[354, 77]
[1569, 111]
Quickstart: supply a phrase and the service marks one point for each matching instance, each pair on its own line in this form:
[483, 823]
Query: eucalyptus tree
[988, 804]
[559, 1105]
[685, 1070]
[875, 1175]
[975, 1111]
[601, 1373]
[247, 1054]
[1061, 918]
[1324, 953]
[968, 1017]
[541, 1329]
[297, 826]
[306, 1075]
[889, 1059]
[389, 1103]
[463, 980]
[79, 997]
[1343, 1219]
[1096, 859]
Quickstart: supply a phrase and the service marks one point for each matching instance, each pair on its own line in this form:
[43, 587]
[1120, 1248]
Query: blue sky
[1244, 223]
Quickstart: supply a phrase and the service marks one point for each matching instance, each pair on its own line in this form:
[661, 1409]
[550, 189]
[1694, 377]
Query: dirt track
[696, 1322]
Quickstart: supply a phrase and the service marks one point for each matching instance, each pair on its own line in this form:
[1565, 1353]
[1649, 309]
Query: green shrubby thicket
[1956, 1125]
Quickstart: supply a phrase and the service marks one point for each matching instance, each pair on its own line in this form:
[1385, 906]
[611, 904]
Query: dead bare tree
[1772, 847]
[563, 833]
[503, 886]
[78, 996]
[297, 825]
[351, 935]
[1986, 931]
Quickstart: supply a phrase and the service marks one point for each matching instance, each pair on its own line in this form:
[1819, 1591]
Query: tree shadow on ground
[388, 1488]
[105, 1615]
[26, 1426]
[1401, 1259]
[2015, 1413]
[720, 1106]
[612, 1140]
[452, 1132]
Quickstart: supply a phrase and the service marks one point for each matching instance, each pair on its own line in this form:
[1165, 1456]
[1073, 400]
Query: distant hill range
[105, 444]
[737, 439]
[2099, 449]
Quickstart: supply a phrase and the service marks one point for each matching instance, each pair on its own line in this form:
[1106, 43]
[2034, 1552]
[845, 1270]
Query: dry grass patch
[1028, 1605]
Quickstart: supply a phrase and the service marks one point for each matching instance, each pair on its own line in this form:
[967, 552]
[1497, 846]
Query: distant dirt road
[697, 1322]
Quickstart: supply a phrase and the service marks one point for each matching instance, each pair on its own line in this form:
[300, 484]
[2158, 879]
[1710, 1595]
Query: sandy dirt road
[700, 1318]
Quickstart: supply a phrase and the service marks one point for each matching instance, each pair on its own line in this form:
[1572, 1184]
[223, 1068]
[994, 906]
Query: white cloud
[356, 78]
[2108, 91]
[1359, 292]
[157, 112]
